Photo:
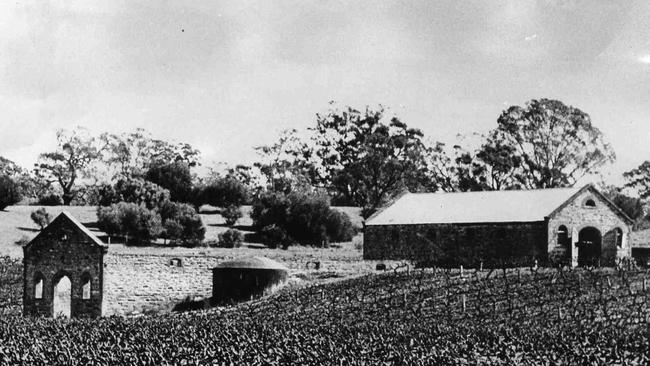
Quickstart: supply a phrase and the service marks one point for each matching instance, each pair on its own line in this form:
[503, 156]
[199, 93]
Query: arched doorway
[62, 298]
[589, 246]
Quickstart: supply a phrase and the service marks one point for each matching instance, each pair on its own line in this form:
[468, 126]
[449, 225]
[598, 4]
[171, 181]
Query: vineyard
[403, 316]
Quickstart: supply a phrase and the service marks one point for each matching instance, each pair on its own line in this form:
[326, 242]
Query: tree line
[347, 157]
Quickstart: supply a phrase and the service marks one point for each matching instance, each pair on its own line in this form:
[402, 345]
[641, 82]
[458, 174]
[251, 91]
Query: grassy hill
[416, 318]
[16, 224]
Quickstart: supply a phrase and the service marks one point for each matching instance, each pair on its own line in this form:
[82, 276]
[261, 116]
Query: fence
[596, 296]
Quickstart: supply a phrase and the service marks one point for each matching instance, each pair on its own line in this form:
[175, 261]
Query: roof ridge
[499, 191]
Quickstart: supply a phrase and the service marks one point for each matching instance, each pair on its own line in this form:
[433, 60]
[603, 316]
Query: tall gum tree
[72, 161]
[544, 144]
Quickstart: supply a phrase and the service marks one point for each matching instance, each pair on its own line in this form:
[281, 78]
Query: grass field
[16, 224]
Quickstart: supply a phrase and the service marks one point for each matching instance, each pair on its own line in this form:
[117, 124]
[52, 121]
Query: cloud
[645, 59]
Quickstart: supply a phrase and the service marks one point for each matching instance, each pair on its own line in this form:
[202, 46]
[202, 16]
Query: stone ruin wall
[136, 283]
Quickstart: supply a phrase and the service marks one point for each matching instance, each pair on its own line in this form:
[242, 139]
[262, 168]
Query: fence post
[464, 305]
[644, 285]
[461, 271]
[481, 266]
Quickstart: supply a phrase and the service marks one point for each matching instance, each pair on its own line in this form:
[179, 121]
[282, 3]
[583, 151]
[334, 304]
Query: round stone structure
[246, 278]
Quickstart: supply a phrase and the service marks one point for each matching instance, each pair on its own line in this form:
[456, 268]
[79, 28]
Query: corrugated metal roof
[473, 207]
[253, 263]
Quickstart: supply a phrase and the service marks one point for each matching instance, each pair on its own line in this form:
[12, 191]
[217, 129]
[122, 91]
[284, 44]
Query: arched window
[619, 237]
[590, 203]
[562, 235]
[85, 287]
[38, 286]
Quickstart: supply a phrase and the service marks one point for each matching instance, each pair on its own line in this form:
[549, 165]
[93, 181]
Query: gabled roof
[67, 216]
[477, 207]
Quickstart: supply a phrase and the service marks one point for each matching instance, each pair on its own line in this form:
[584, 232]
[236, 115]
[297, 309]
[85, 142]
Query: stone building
[576, 226]
[64, 271]
[640, 243]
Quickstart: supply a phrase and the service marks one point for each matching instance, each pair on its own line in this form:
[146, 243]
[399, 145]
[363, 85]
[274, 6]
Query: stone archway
[589, 247]
[62, 298]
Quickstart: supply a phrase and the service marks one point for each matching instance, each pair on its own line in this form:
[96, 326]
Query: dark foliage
[339, 226]
[305, 217]
[9, 192]
[138, 191]
[275, 237]
[132, 221]
[51, 199]
[231, 214]
[182, 224]
[174, 177]
[225, 191]
[41, 217]
[231, 238]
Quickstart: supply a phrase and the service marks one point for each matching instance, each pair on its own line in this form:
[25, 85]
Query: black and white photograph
[325, 182]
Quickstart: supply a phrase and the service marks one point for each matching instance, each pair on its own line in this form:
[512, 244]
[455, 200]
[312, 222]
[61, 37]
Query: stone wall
[137, 283]
[577, 216]
[63, 249]
[455, 244]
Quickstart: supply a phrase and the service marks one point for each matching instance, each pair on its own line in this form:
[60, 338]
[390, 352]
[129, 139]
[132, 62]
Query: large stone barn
[64, 271]
[576, 226]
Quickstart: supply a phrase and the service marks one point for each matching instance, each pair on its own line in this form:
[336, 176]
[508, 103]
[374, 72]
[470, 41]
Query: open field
[16, 224]
[417, 318]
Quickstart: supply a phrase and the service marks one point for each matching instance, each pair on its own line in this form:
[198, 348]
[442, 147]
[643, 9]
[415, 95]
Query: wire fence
[609, 296]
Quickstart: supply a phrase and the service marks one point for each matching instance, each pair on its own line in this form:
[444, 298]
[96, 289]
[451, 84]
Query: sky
[227, 76]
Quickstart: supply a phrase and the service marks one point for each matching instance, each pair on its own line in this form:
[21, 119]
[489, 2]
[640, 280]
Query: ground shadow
[29, 229]
[238, 227]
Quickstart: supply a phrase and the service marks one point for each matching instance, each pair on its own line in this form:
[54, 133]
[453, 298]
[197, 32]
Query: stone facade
[579, 214]
[456, 244]
[586, 212]
[138, 283]
[63, 249]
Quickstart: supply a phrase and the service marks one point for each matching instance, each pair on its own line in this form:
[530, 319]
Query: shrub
[9, 192]
[224, 192]
[50, 199]
[271, 208]
[304, 217]
[274, 236]
[109, 220]
[231, 214]
[339, 226]
[130, 220]
[231, 238]
[137, 191]
[182, 223]
[41, 217]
